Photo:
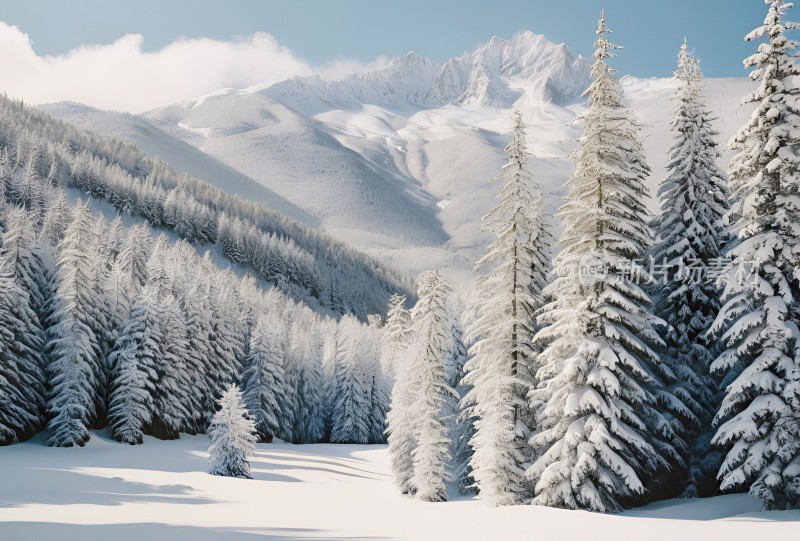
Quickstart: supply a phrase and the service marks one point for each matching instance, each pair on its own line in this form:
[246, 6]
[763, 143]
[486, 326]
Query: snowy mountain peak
[498, 72]
[494, 75]
[411, 58]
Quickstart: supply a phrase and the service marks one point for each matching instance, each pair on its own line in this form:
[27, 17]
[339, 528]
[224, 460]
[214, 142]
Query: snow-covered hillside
[183, 157]
[397, 161]
[160, 491]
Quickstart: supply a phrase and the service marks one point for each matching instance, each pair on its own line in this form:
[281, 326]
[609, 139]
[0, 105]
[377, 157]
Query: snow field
[110, 491]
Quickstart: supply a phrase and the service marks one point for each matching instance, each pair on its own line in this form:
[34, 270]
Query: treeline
[305, 263]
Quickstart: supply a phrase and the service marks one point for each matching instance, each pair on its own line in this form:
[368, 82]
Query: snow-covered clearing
[113, 492]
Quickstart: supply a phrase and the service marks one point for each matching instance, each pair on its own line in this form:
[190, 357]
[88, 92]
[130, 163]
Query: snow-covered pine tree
[379, 385]
[330, 354]
[310, 420]
[395, 335]
[75, 371]
[759, 418]
[262, 379]
[233, 439]
[426, 358]
[131, 405]
[168, 371]
[459, 423]
[21, 376]
[172, 389]
[691, 238]
[400, 426]
[600, 437]
[29, 298]
[499, 371]
[225, 344]
[351, 406]
[195, 311]
[129, 274]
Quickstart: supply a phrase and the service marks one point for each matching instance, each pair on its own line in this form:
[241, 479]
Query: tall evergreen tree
[499, 371]
[426, 364]
[601, 437]
[378, 384]
[264, 391]
[131, 404]
[75, 374]
[194, 305]
[460, 424]
[402, 418]
[21, 377]
[352, 394]
[691, 238]
[759, 419]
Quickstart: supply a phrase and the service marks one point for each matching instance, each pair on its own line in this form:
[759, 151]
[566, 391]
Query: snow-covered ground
[112, 492]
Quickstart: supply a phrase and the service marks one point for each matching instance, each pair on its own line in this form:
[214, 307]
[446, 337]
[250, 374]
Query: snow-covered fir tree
[304, 420]
[402, 418]
[75, 372]
[233, 439]
[600, 437]
[352, 382]
[378, 384]
[359, 393]
[426, 366]
[21, 363]
[194, 306]
[499, 371]
[460, 425]
[759, 418]
[131, 405]
[262, 379]
[691, 237]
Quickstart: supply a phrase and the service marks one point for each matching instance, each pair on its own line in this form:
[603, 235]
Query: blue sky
[320, 31]
[135, 55]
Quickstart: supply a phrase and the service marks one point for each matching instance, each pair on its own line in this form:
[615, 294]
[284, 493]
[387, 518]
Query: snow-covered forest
[660, 357]
[602, 357]
[126, 318]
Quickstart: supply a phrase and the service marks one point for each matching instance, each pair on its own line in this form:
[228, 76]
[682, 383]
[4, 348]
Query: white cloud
[120, 76]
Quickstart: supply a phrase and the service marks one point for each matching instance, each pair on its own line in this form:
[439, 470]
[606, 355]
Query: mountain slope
[183, 157]
[303, 262]
[298, 158]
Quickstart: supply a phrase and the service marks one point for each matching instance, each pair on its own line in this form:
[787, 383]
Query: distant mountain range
[495, 75]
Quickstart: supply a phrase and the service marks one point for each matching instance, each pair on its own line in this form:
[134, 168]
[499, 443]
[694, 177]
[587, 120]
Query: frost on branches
[233, 439]
[759, 419]
[691, 238]
[601, 437]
